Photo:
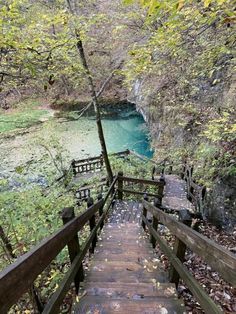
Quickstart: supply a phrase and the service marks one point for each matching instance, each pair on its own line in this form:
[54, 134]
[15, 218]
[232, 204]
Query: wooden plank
[154, 305]
[114, 254]
[220, 259]
[130, 290]
[125, 275]
[205, 301]
[144, 181]
[140, 193]
[18, 274]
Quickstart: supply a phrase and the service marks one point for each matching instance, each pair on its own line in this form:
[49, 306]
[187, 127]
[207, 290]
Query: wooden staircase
[125, 275]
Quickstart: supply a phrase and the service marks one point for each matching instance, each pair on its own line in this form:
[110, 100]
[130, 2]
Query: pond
[124, 128]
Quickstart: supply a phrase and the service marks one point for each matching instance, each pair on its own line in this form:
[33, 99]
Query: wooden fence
[220, 259]
[93, 164]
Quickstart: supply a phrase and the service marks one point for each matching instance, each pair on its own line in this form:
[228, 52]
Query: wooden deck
[124, 274]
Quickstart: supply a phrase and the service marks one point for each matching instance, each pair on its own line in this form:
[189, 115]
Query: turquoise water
[129, 133]
[124, 128]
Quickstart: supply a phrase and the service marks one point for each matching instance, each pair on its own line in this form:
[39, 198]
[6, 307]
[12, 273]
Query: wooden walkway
[124, 275]
[175, 195]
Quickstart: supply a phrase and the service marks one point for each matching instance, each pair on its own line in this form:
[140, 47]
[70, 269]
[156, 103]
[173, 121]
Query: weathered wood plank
[129, 290]
[157, 305]
[216, 256]
[140, 193]
[144, 181]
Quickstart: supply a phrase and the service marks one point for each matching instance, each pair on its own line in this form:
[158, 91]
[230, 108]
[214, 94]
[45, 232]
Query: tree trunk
[96, 108]
[93, 96]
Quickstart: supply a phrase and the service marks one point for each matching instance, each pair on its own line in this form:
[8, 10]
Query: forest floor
[221, 292]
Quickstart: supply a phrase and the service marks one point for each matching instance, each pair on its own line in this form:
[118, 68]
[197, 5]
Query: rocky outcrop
[170, 136]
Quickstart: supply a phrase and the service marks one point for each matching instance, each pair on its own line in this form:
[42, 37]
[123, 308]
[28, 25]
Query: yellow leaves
[128, 2]
[206, 3]
[180, 4]
[153, 5]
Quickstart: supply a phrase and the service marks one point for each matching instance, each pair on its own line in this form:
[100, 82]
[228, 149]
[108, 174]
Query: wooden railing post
[145, 197]
[161, 188]
[100, 209]
[73, 246]
[155, 222]
[179, 246]
[120, 185]
[92, 224]
[153, 172]
[183, 173]
[73, 167]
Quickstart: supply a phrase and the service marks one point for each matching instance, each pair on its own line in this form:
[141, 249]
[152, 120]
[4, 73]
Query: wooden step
[125, 276]
[126, 246]
[122, 226]
[117, 271]
[116, 290]
[143, 305]
[117, 254]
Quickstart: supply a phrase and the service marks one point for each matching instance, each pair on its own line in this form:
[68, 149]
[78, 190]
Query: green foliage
[221, 129]
[32, 214]
[54, 149]
[38, 40]
[183, 67]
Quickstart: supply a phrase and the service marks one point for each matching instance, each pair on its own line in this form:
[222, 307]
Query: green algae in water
[123, 129]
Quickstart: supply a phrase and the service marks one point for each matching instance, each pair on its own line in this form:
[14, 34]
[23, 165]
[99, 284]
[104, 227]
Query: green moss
[22, 119]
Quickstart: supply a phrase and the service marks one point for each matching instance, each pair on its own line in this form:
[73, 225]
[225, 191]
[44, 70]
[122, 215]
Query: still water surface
[124, 128]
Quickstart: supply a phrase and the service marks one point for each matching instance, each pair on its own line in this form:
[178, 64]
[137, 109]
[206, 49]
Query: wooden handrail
[121, 179]
[205, 301]
[127, 191]
[144, 181]
[220, 259]
[53, 305]
[26, 268]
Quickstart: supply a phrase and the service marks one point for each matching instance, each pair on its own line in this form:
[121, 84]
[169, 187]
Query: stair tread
[142, 305]
[135, 276]
[124, 276]
[130, 290]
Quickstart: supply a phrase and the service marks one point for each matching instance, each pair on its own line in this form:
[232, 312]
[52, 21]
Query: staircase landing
[175, 195]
